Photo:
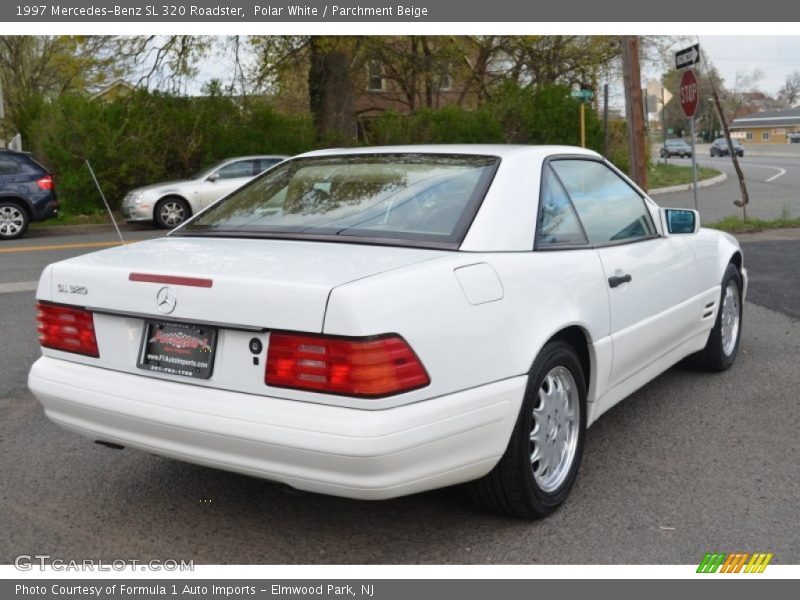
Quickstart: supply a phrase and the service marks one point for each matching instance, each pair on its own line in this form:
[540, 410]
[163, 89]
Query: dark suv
[27, 193]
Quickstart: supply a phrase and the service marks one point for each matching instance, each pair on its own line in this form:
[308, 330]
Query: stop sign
[688, 93]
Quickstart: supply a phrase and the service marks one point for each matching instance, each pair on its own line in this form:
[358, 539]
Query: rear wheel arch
[23, 205]
[172, 196]
[577, 337]
[736, 260]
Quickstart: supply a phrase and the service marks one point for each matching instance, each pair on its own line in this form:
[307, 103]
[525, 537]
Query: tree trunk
[330, 89]
[634, 110]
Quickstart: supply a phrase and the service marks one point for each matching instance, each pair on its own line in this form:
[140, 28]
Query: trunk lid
[274, 284]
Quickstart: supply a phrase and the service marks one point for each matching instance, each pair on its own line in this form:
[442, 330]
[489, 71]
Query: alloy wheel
[730, 318]
[555, 429]
[172, 213]
[12, 221]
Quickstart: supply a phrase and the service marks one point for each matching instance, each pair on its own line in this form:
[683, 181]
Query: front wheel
[540, 464]
[13, 220]
[171, 212]
[723, 341]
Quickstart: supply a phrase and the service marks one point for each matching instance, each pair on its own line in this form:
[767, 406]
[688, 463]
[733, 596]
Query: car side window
[557, 224]
[266, 163]
[240, 168]
[609, 209]
[8, 166]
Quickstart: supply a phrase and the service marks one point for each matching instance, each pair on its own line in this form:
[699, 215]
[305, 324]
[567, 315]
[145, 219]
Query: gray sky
[776, 56]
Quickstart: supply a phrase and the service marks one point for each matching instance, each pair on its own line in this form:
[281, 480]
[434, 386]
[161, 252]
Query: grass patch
[660, 175]
[97, 218]
[734, 224]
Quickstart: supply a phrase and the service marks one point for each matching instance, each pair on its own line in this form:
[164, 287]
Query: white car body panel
[335, 450]
[476, 316]
[664, 275]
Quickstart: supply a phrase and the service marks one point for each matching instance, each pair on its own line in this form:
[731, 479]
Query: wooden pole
[634, 110]
[583, 124]
[739, 174]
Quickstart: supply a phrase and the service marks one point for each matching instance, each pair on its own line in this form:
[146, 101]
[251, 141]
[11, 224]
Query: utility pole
[583, 125]
[605, 120]
[634, 110]
[664, 126]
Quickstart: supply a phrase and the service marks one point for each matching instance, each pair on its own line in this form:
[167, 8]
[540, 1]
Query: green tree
[34, 69]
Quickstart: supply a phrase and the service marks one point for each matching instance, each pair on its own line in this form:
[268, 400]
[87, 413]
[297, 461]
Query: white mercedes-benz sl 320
[375, 322]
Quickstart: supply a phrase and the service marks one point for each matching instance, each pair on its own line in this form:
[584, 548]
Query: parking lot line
[60, 247]
[18, 286]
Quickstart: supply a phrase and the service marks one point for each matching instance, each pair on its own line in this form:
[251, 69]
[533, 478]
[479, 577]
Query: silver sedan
[169, 204]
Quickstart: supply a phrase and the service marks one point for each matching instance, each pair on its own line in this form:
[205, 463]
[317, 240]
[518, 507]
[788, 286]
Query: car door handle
[618, 280]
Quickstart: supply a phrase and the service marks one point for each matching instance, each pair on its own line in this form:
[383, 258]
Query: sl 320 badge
[64, 288]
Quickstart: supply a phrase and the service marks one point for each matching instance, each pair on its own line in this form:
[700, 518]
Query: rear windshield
[428, 198]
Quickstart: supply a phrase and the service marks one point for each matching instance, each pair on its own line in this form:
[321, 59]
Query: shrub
[146, 138]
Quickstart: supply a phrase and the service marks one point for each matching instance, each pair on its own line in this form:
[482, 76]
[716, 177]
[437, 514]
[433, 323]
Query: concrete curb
[687, 186]
[770, 235]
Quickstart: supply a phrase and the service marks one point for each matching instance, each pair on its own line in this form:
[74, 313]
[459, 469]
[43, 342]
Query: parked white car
[377, 322]
[169, 204]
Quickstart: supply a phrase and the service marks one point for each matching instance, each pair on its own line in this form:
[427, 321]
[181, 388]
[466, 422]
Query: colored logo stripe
[758, 563]
[711, 562]
[734, 562]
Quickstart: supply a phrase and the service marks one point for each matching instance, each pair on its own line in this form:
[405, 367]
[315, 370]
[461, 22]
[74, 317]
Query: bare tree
[790, 92]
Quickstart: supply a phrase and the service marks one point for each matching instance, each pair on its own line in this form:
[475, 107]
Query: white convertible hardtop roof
[501, 150]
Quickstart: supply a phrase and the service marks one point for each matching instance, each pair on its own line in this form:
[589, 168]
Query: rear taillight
[46, 182]
[66, 328]
[367, 367]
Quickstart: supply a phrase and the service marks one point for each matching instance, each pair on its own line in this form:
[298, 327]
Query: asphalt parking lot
[692, 463]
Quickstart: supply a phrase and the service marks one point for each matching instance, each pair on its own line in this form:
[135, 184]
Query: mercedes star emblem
[166, 300]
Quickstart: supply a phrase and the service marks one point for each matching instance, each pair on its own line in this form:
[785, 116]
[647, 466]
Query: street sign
[584, 95]
[687, 57]
[688, 93]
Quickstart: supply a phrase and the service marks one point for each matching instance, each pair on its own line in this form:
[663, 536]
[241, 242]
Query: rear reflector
[171, 279]
[66, 328]
[46, 182]
[366, 367]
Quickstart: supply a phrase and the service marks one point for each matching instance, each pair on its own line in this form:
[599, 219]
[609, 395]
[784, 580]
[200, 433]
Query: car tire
[519, 485]
[14, 220]
[723, 341]
[171, 212]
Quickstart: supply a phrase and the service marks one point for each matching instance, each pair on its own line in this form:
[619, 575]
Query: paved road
[693, 462]
[772, 183]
